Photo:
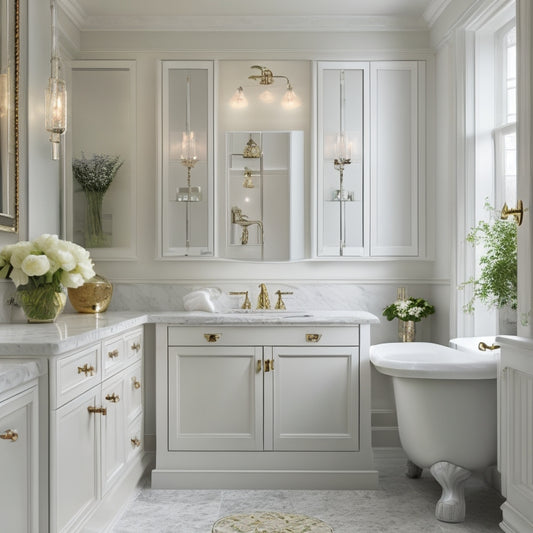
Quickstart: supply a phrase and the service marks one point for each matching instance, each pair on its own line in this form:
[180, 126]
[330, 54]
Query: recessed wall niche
[103, 123]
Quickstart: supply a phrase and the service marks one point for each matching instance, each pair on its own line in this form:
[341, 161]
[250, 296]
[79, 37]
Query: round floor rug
[270, 522]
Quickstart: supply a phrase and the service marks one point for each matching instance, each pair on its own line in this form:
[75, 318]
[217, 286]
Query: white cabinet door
[396, 157]
[516, 436]
[74, 460]
[215, 398]
[18, 463]
[113, 426]
[315, 398]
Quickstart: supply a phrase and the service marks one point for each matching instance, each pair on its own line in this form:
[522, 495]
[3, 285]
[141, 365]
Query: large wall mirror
[9, 123]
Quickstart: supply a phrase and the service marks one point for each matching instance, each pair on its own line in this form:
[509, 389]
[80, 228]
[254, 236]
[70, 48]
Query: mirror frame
[11, 41]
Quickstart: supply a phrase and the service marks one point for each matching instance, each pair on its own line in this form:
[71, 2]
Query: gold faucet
[263, 301]
[280, 304]
[246, 304]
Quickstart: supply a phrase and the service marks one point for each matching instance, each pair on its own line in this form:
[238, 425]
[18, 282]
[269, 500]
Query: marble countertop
[72, 331]
[15, 373]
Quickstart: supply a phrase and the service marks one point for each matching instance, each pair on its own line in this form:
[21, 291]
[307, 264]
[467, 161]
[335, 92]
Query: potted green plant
[496, 284]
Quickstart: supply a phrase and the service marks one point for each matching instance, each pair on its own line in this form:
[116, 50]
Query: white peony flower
[35, 265]
[72, 280]
[20, 251]
[18, 277]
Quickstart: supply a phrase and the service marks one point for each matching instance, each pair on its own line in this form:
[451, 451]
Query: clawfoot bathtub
[446, 407]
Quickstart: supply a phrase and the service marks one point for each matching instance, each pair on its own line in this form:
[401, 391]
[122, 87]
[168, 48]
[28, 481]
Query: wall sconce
[56, 94]
[266, 77]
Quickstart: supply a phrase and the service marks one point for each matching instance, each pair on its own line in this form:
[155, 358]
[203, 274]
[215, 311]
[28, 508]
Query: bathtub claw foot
[451, 506]
[413, 471]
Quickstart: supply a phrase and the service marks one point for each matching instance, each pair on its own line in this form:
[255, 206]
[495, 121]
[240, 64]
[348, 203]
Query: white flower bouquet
[41, 269]
[411, 309]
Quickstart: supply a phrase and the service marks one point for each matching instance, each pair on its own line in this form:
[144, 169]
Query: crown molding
[212, 23]
[434, 10]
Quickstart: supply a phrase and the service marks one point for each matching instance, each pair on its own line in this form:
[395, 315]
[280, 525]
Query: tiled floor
[400, 505]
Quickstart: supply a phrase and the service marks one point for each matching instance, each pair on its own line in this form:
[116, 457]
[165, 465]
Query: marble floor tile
[399, 505]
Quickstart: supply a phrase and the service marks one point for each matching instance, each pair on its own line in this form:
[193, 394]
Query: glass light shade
[343, 147]
[238, 100]
[188, 147]
[56, 112]
[266, 97]
[290, 99]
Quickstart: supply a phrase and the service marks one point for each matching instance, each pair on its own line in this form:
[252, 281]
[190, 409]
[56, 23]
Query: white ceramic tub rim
[432, 361]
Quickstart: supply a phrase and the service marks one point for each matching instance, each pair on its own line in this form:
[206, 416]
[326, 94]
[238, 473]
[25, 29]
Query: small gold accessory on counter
[93, 296]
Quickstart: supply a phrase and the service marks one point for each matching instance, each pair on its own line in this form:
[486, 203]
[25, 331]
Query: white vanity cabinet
[516, 435]
[95, 425]
[223, 390]
[19, 440]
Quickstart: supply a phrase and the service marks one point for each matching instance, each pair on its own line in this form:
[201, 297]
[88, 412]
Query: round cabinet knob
[136, 346]
[136, 384]
[135, 442]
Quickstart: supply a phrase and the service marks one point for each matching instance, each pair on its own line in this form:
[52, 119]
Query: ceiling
[293, 14]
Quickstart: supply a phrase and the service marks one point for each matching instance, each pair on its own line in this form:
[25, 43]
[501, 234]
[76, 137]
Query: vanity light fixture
[56, 93]
[266, 78]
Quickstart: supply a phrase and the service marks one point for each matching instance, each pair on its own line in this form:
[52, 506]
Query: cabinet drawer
[113, 356]
[134, 391]
[134, 344]
[135, 437]
[75, 374]
[263, 336]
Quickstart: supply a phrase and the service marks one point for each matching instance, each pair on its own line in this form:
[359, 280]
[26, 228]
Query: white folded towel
[201, 300]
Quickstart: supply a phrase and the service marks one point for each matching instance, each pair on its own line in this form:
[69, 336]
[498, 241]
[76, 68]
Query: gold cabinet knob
[10, 434]
[113, 398]
[86, 369]
[136, 383]
[112, 354]
[258, 367]
[212, 337]
[269, 365]
[136, 346]
[97, 410]
[135, 442]
[313, 337]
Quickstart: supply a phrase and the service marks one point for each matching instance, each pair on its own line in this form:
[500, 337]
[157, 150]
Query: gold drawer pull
[86, 369]
[112, 354]
[313, 337]
[98, 410]
[10, 434]
[269, 365]
[136, 384]
[136, 346]
[212, 337]
[113, 398]
[135, 442]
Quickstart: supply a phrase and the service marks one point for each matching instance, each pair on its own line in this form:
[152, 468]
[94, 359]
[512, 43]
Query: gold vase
[406, 330]
[94, 296]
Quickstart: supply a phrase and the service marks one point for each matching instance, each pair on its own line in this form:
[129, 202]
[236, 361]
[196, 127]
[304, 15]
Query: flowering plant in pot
[95, 176]
[41, 270]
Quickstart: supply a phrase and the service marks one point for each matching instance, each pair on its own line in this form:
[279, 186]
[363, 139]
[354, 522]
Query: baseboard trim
[261, 479]
[514, 521]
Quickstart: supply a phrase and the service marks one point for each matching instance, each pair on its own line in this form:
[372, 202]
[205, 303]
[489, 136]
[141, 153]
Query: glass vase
[94, 231]
[406, 330]
[41, 304]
